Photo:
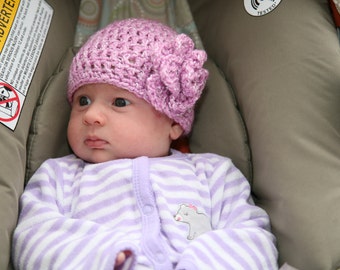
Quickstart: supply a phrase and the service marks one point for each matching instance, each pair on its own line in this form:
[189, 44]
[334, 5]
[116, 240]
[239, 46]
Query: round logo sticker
[260, 7]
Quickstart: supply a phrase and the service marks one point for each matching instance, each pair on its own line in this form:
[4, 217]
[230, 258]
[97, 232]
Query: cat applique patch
[198, 222]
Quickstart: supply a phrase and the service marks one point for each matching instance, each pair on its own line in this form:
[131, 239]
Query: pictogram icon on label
[9, 103]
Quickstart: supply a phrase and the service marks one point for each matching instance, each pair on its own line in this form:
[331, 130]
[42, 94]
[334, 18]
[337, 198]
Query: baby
[125, 199]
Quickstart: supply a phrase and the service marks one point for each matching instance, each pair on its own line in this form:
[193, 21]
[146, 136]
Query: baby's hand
[121, 257]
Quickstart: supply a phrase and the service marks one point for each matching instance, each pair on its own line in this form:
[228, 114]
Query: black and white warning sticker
[24, 25]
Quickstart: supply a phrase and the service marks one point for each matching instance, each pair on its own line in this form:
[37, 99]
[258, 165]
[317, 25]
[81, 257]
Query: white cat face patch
[198, 222]
[260, 7]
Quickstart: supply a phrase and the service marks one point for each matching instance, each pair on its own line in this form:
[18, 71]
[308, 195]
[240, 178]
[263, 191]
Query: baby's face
[109, 123]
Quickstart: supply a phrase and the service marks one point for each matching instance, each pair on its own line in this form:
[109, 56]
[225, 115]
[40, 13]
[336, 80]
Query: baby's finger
[121, 257]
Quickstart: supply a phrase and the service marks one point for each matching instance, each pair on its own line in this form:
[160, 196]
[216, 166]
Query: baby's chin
[104, 158]
[95, 158]
[101, 156]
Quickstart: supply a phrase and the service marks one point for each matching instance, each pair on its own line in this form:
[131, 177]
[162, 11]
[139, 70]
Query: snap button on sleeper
[147, 209]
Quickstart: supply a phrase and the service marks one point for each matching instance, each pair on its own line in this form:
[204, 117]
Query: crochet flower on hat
[178, 79]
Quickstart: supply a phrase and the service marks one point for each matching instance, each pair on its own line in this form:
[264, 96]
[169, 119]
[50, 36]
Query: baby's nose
[94, 116]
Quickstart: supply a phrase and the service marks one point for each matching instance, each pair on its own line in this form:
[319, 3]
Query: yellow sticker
[8, 10]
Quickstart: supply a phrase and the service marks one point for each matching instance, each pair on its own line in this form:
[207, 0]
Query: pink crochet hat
[148, 59]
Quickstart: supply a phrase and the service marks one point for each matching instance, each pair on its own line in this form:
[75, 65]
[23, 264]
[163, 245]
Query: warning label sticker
[24, 26]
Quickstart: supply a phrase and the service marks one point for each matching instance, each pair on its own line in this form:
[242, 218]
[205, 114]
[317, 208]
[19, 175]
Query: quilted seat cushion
[284, 69]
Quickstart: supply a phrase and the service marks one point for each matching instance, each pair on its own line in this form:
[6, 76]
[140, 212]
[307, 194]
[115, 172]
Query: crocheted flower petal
[156, 94]
[194, 76]
[169, 72]
[183, 45]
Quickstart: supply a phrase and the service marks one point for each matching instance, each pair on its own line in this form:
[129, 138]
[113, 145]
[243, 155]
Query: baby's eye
[83, 101]
[121, 102]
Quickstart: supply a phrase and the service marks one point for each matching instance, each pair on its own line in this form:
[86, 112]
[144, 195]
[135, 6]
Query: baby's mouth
[94, 142]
